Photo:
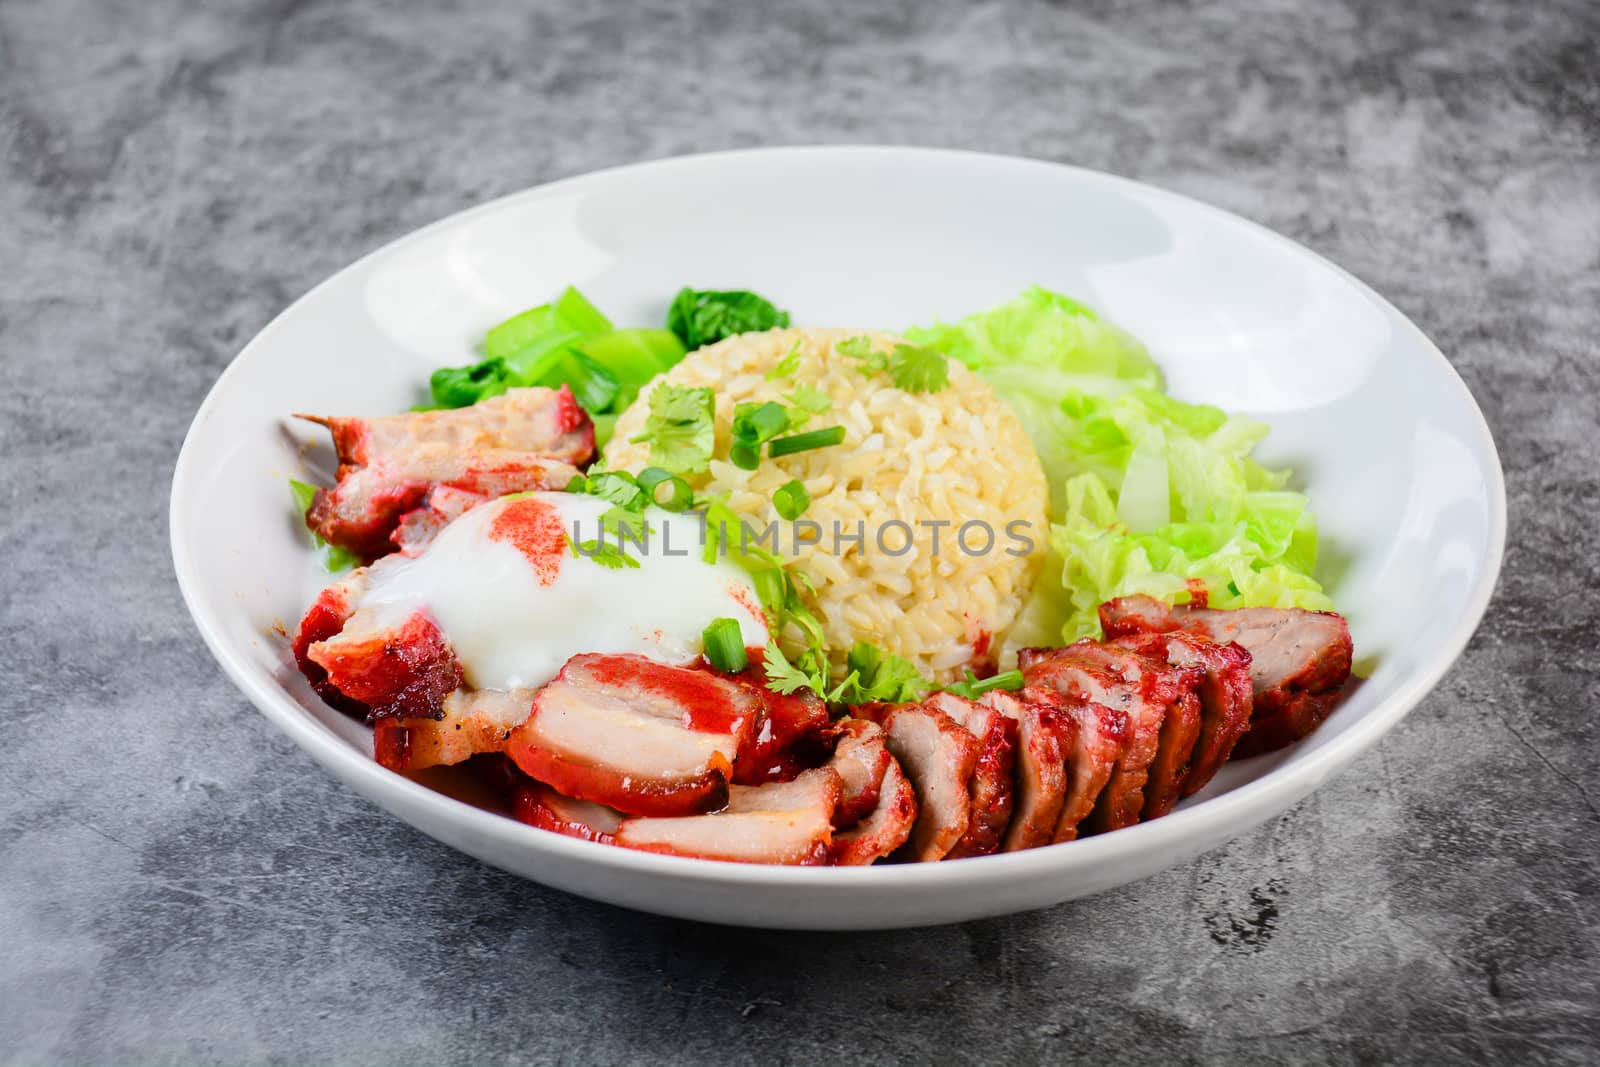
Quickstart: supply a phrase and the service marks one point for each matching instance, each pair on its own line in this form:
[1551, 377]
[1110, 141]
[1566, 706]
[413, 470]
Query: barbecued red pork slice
[1123, 680]
[525, 439]
[539, 805]
[1225, 700]
[475, 721]
[861, 759]
[1299, 660]
[992, 788]
[1046, 738]
[418, 527]
[780, 822]
[937, 755]
[394, 665]
[637, 735]
[324, 619]
[777, 749]
[884, 829]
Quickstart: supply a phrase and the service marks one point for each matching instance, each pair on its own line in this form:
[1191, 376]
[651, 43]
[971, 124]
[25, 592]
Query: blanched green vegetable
[705, 316]
[566, 342]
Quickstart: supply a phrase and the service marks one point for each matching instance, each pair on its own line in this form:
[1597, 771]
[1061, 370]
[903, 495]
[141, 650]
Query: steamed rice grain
[923, 464]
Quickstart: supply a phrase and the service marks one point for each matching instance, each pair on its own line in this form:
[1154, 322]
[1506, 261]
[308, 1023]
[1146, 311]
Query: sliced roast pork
[1141, 687]
[539, 805]
[992, 787]
[861, 759]
[1225, 701]
[637, 735]
[474, 721]
[418, 527]
[937, 755]
[779, 746]
[323, 620]
[525, 439]
[884, 829]
[391, 663]
[1046, 738]
[780, 822]
[1299, 660]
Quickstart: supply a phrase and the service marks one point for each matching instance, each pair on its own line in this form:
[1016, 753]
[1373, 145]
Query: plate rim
[1240, 808]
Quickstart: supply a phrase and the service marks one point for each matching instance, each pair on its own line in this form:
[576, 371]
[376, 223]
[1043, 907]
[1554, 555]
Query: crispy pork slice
[861, 759]
[539, 805]
[1299, 660]
[1224, 694]
[392, 664]
[1140, 686]
[639, 736]
[884, 829]
[992, 788]
[937, 755]
[780, 822]
[525, 439]
[418, 527]
[1045, 742]
[475, 721]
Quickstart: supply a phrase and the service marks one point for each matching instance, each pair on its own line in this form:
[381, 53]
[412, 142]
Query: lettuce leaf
[1148, 494]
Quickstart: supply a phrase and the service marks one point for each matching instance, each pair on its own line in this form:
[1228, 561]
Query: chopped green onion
[759, 423]
[724, 644]
[791, 499]
[651, 479]
[805, 442]
[744, 455]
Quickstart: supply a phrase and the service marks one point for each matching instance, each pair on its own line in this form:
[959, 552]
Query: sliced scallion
[805, 442]
[724, 644]
[680, 497]
[791, 499]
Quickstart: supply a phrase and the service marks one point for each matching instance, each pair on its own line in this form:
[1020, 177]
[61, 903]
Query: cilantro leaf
[602, 552]
[681, 428]
[861, 350]
[622, 522]
[882, 676]
[787, 365]
[804, 402]
[782, 676]
[919, 370]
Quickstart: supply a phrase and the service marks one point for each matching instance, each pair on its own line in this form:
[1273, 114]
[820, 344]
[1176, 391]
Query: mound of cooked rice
[954, 457]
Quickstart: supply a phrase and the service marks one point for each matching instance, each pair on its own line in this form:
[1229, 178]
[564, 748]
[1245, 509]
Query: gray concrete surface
[179, 884]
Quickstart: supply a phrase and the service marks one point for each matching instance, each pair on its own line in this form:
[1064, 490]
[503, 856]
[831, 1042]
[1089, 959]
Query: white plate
[1400, 466]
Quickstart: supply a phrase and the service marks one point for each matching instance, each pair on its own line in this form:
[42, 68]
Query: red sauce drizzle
[533, 528]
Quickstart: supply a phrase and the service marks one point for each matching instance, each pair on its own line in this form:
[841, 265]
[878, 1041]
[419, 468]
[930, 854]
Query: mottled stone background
[179, 884]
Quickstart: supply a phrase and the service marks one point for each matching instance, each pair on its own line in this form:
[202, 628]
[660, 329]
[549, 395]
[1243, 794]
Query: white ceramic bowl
[1400, 466]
